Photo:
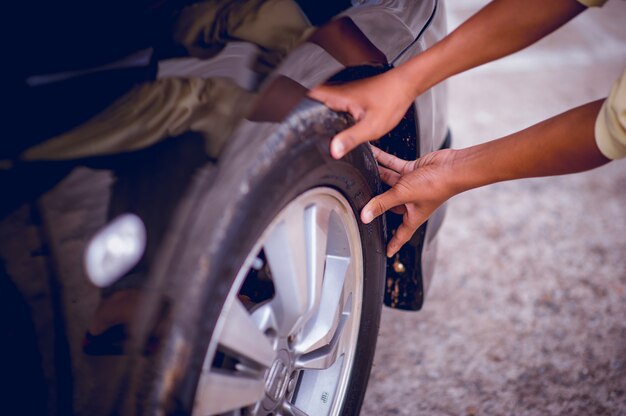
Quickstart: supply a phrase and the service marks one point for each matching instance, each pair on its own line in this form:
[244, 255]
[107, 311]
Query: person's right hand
[418, 188]
[377, 104]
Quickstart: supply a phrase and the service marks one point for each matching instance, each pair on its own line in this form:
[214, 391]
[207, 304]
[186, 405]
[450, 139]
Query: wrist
[466, 170]
[413, 75]
[428, 69]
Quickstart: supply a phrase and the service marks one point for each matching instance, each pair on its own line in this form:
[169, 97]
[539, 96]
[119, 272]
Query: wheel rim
[292, 352]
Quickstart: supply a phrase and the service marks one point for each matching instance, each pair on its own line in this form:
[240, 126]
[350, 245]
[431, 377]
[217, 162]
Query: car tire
[222, 352]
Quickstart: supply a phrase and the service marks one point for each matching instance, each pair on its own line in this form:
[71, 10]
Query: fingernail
[337, 148]
[368, 216]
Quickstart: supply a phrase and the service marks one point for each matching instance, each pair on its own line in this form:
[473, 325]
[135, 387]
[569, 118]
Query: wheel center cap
[277, 377]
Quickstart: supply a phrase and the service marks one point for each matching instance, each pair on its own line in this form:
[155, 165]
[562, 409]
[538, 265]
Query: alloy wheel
[285, 341]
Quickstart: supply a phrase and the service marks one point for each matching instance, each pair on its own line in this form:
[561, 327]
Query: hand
[418, 188]
[377, 104]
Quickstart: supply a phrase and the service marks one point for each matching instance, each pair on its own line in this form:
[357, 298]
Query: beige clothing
[150, 113]
[593, 3]
[611, 122]
[610, 130]
[168, 107]
[276, 26]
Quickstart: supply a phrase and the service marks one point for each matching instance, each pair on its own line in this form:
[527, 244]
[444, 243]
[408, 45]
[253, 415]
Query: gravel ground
[525, 315]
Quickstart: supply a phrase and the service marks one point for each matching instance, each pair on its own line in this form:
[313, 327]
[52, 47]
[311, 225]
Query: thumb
[381, 204]
[348, 139]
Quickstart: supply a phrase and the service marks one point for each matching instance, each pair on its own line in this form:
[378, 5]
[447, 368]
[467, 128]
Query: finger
[331, 97]
[390, 161]
[380, 204]
[400, 209]
[402, 235]
[351, 137]
[320, 93]
[388, 176]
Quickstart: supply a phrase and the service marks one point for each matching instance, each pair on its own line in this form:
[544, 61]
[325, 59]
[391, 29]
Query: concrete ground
[526, 312]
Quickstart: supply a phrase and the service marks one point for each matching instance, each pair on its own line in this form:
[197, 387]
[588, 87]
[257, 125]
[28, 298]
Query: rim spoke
[325, 356]
[285, 249]
[242, 336]
[290, 409]
[264, 317]
[219, 393]
[349, 322]
[316, 221]
[320, 330]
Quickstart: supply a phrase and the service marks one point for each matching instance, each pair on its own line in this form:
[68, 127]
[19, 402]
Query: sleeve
[610, 127]
[593, 3]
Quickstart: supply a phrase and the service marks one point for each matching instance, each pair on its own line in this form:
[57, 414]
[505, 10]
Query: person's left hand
[418, 188]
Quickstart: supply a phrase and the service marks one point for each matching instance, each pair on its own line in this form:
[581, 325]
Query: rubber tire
[220, 224]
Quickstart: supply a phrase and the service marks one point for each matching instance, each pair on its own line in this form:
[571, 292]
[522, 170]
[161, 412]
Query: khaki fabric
[277, 26]
[150, 113]
[593, 3]
[610, 127]
[171, 106]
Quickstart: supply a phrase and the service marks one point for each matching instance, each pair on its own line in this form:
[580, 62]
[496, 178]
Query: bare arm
[499, 29]
[562, 144]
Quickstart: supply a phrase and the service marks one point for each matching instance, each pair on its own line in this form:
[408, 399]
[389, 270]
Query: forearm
[499, 29]
[560, 145]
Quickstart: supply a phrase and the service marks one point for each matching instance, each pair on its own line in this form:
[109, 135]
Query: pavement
[525, 315]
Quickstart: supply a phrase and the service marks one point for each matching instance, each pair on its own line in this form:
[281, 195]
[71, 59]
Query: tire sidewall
[225, 228]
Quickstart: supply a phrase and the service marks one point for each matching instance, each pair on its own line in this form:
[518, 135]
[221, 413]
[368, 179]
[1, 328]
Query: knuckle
[379, 206]
[402, 188]
[349, 139]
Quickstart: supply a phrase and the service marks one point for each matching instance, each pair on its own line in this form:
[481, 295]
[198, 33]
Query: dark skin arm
[499, 29]
[562, 144]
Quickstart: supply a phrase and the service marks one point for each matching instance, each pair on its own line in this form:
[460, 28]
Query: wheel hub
[277, 378]
[280, 380]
